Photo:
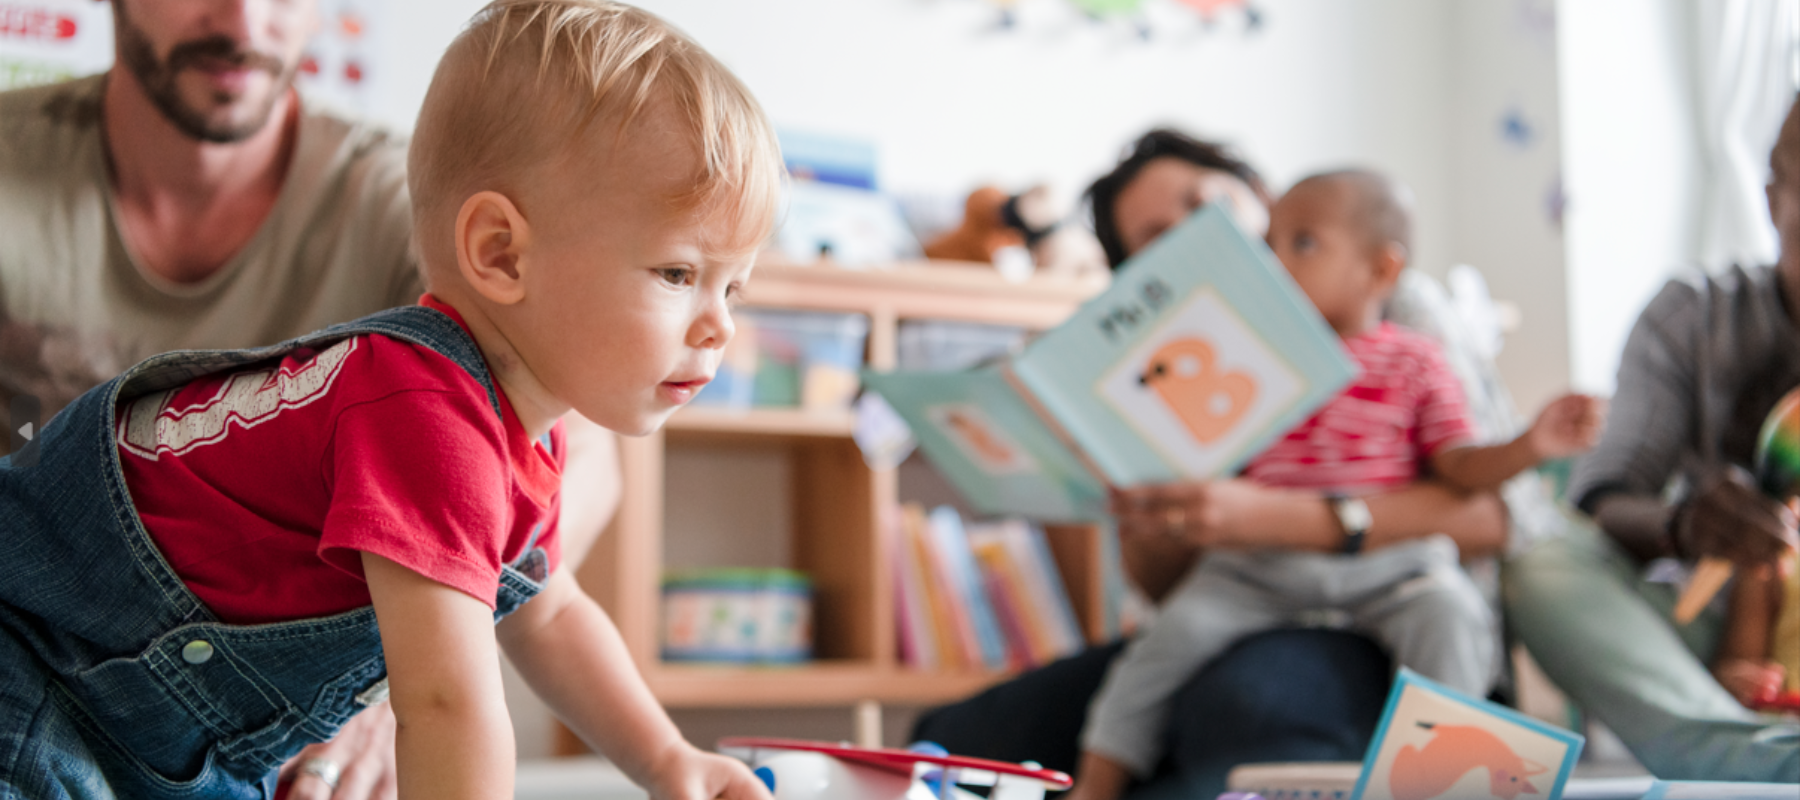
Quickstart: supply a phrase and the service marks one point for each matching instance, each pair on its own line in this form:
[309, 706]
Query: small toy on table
[801, 770]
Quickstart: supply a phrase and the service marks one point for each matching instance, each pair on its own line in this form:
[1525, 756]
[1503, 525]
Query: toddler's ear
[1390, 260]
[492, 237]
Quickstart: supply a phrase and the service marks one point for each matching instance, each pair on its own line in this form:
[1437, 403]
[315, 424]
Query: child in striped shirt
[1344, 237]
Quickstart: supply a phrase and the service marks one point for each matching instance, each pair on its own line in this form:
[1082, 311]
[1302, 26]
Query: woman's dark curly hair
[1159, 143]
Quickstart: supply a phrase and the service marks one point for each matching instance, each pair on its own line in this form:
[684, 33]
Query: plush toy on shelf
[1020, 235]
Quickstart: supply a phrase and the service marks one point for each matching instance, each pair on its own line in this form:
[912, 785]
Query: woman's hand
[684, 772]
[360, 762]
[1231, 514]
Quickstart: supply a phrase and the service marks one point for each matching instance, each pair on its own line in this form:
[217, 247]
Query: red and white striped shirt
[1405, 406]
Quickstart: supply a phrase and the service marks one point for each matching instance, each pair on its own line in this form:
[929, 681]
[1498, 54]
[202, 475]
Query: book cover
[1436, 742]
[1200, 353]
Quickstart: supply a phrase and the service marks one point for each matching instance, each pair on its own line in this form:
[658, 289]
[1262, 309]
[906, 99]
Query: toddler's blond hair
[527, 80]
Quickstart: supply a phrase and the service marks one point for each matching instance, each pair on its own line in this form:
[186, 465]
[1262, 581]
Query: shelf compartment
[818, 684]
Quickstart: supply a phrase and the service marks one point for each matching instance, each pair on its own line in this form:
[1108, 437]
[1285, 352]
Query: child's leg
[42, 755]
[1213, 607]
[1423, 606]
[1743, 665]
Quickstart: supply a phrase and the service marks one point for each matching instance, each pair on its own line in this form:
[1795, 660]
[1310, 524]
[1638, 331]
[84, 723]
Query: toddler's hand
[687, 773]
[1753, 683]
[1568, 425]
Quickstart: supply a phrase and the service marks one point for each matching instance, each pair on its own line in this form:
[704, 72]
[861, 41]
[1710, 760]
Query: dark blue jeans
[1285, 695]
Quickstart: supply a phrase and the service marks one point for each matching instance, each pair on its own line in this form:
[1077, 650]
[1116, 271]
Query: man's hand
[1569, 425]
[1730, 519]
[364, 754]
[683, 772]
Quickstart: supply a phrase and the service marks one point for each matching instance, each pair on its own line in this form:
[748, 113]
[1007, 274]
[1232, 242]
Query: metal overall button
[198, 651]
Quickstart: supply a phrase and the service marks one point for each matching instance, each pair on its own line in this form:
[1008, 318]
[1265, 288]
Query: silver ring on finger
[325, 769]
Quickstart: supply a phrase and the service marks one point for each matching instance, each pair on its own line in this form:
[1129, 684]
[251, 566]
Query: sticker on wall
[1537, 22]
[1556, 201]
[339, 63]
[1210, 11]
[1517, 130]
[45, 41]
[1143, 20]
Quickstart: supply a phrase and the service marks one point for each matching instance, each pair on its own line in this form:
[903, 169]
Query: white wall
[1631, 154]
[1504, 164]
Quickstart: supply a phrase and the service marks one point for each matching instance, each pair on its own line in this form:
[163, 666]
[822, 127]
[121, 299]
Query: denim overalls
[114, 680]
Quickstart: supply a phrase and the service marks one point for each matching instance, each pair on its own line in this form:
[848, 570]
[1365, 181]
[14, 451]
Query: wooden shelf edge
[840, 423]
[819, 685]
[963, 277]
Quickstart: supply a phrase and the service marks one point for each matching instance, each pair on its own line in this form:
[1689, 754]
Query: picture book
[1436, 742]
[1201, 352]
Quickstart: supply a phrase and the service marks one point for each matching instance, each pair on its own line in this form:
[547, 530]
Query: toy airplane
[800, 770]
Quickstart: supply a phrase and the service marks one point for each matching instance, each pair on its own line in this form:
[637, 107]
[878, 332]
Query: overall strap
[417, 325]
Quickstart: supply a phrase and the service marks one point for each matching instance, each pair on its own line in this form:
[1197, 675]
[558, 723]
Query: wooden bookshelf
[839, 506]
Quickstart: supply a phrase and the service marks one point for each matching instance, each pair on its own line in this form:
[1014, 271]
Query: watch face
[1353, 514]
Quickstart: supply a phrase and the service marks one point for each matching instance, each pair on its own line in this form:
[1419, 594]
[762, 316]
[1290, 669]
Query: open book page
[1201, 353]
[988, 441]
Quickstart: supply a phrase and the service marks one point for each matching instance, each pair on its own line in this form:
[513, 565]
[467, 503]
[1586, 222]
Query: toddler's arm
[1098, 778]
[572, 655]
[455, 739]
[1568, 425]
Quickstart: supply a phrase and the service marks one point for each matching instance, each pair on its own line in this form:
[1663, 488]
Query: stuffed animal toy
[1019, 234]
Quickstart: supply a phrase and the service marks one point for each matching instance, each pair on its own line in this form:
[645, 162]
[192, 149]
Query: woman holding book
[1287, 695]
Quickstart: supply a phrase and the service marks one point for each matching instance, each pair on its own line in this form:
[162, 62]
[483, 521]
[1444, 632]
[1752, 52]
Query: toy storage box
[790, 358]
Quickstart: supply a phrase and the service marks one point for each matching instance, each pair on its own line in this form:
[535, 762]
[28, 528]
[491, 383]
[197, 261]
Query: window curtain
[1746, 59]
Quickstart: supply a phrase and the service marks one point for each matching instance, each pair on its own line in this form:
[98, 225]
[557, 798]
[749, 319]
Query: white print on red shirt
[147, 429]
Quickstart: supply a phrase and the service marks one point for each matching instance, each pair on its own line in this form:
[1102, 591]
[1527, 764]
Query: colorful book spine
[918, 645]
[976, 623]
[1025, 647]
[952, 651]
[1045, 583]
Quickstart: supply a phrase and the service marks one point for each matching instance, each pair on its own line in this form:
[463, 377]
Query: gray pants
[1413, 597]
[1603, 634]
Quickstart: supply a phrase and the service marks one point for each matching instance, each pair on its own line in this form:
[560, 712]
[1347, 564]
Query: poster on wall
[45, 41]
[340, 65]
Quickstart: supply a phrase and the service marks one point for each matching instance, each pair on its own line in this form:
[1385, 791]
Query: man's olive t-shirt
[75, 306]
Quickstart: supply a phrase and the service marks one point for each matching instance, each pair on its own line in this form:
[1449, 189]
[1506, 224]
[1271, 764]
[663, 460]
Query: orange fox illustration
[977, 436]
[1185, 374]
[1455, 750]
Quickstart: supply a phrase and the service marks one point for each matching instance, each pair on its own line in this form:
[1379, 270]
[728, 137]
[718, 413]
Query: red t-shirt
[263, 487]
[1405, 406]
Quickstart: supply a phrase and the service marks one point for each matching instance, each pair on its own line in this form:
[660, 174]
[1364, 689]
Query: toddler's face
[628, 311]
[1311, 232]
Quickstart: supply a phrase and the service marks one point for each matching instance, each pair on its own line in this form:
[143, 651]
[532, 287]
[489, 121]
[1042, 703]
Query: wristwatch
[1354, 517]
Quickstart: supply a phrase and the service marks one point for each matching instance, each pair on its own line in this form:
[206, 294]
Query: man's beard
[158, 79]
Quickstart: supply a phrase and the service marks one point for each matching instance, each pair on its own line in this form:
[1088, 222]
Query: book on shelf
[978, 596]
[1201, 352]
[1024, 580]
